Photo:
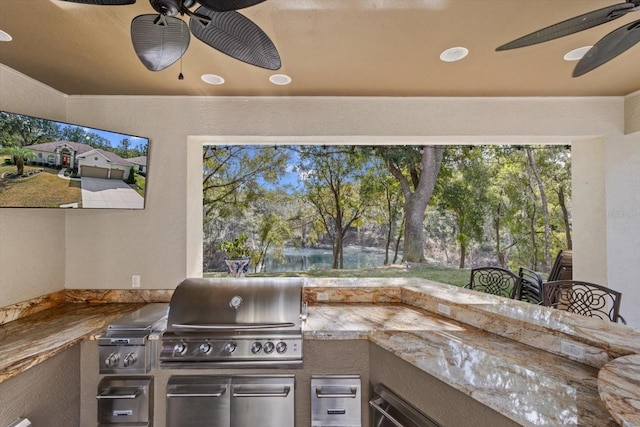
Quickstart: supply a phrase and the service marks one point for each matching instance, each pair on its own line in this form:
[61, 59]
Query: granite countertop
[619, 386]
[530, 386]
[503, 353]
[31, 340]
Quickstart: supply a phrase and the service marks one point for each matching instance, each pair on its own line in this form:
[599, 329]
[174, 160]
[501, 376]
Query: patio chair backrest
[562, 266]
[529, 286]
[584, 298]
[494, 280]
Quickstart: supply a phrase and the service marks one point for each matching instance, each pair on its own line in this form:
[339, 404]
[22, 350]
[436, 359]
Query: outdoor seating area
[559, 291]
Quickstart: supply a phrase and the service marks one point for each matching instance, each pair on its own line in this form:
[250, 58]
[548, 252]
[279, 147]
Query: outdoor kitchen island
[419, 334]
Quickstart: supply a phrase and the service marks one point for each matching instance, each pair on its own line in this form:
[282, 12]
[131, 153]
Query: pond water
[321, 259]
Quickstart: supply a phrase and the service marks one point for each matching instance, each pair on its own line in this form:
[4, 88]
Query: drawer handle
[249, 393]
[106, 395]
[384, 413]
[218, 393]
[352, 393]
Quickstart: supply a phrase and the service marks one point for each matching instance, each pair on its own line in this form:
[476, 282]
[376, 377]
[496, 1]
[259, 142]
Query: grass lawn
[42, 190]
[451, 276]
[140, 184]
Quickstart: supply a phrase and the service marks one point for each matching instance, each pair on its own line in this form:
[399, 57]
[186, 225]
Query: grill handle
[232, 326]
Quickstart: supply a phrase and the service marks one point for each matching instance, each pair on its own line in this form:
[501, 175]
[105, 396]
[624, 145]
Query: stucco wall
[48, 393]
[632, 113]
[32, 256]
[177, 126]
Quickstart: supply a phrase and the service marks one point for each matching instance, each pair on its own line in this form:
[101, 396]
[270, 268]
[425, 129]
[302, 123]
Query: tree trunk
[565, 216]
[463, 255]
[414, 208]
[545, 209]
[496, 229]
[398, 239]
[416, 202]
[20, 165]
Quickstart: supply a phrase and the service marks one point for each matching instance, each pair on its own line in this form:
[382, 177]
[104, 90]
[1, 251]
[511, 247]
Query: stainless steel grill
[234, 323]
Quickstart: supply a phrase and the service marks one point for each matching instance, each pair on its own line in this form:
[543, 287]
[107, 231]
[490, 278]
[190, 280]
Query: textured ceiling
[328, 47]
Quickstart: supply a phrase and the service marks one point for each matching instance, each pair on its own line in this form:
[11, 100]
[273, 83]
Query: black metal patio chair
[584, 298]
[529, 287]
[493, 280]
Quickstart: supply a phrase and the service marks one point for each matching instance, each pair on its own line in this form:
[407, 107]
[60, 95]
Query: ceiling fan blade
[610, 46]
[226, 5]
[571, 26]
[104, 2]
[159, 41]
[237, 36]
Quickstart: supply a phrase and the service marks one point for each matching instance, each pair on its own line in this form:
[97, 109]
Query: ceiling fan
[162, 38]
[610, 46]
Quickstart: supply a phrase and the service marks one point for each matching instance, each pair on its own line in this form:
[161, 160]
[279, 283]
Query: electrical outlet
[444, 309]
[570, 349]
[135, 281]
[323, 296]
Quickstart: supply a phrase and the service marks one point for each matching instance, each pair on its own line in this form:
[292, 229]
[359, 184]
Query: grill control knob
[130, 360]
[230, 347]
[205, 348]
[268, 347]
[281, 347]
[256, 347]
[179, 348]
[112, 360]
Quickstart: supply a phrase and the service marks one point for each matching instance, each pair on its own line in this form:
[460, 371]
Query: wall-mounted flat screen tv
[50, 164]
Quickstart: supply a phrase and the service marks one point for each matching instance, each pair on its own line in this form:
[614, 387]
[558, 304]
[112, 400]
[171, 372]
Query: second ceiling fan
[160, 39]
[607, 48]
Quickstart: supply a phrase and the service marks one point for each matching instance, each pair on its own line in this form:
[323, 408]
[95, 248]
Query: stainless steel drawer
[336, 401]
[389, 410]
[125, 400]
[198, 400]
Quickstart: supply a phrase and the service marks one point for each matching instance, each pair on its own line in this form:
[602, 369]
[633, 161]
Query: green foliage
[19, 155]
[237, 248]
[486, 199]
[131, 178]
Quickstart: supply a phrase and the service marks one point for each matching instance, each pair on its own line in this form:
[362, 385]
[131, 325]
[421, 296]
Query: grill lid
[215, 305]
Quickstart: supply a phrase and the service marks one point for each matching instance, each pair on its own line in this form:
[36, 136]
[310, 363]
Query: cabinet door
[258, 401]
[198, 401]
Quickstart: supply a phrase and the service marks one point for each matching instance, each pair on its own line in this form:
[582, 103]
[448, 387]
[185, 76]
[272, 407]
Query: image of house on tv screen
[49, 164]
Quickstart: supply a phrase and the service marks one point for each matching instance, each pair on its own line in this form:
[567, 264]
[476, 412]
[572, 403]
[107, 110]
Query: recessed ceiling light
[454, 54]
[5, 37]
[577, 54]
[212, 79]
[280, 79]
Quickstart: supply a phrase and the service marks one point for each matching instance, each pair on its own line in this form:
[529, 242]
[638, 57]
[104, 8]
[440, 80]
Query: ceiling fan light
[280, 79]
[454, 54]
[159, 41]
[212, 79]
[5, 37]
[577, 54]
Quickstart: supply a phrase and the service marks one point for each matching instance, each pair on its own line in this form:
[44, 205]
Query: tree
[462, 189]
[123, 148]
[338, 187]
[19, 154]
[273, 232]
[131, 178]
[416, 169]
[235, 179]
[16, 129]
